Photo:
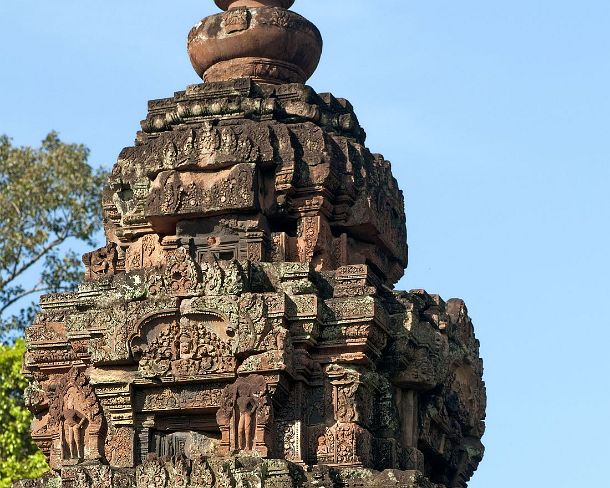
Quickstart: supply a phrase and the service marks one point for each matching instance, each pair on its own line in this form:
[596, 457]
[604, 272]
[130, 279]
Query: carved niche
[245, 416]
[76, 421]
[347, 441]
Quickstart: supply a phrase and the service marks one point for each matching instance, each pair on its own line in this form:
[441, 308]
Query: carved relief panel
[176, 193]
[146, 252]
[185, 347]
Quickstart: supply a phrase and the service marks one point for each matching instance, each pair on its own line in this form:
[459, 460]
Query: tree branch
[43, 252]
[17, 261]
[16, 298]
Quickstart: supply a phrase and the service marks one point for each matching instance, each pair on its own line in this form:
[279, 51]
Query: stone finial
[258, 39]
[229, 4]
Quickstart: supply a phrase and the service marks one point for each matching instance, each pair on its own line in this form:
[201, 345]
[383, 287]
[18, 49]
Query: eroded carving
[101, 263]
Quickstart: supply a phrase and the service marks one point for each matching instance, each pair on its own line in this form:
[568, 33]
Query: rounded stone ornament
[269, 44]
[227, 4]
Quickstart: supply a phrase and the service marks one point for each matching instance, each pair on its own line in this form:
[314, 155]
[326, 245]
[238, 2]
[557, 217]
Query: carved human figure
[185, 346]
[247, 405]
[228, 141]
[346, 406]
[207, 351]
[322, 445]
[149, 251]
[213, 276]
[210, 140]
[170, 156]
[73, 423]
[280, 341]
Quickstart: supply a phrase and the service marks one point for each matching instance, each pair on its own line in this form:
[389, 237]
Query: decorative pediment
[187, 346]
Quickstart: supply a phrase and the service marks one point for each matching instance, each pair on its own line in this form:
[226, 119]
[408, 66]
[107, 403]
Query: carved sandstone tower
[240, 329]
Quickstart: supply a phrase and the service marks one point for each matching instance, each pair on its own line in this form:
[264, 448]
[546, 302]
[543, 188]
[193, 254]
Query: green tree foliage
[19, 456]
[49, 198]
[49, 201]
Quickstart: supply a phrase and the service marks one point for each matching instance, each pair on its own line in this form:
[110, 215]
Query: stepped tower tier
[240, 325]
[271, 173]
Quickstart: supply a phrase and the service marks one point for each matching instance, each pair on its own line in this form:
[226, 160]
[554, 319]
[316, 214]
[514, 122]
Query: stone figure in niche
[228, 141]
[207, 352]
[247, 405]
[323, 448]
[246, 410]
[73, 423]
[75, 420]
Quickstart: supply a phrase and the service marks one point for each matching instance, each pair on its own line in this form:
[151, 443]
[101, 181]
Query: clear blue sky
[495, 116]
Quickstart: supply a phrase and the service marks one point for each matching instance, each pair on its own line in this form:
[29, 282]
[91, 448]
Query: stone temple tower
[240, 327]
